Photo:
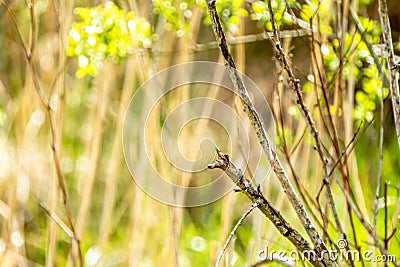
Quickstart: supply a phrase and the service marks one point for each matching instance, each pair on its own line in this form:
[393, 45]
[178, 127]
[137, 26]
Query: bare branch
[391, 64]
[263, 205]
[262, 136]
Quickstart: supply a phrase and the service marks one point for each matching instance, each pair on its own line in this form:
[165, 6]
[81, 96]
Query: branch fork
[255, 195]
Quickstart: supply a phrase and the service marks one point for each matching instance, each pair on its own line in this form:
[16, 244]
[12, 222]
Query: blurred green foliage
[111, 33]
[262, 14]
[177, 14]
[365, 71]
[105, 33]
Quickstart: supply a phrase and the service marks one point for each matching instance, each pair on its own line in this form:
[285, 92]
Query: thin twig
[378, 180]
[302, 192]
[386, 240]
[343, 168]
[221, 253]
[348, 149]
[295, 83]
[360, 217]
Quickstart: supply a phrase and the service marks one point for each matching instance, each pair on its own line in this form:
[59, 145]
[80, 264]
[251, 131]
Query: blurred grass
[117, 223]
